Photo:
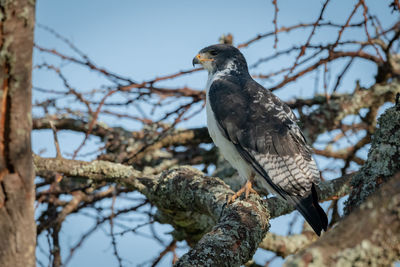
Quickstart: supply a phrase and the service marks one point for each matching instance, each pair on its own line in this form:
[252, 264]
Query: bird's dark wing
[266, 135]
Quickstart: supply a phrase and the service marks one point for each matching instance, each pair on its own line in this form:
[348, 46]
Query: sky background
[146, 39]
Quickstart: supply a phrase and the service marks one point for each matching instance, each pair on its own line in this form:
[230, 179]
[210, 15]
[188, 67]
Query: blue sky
[146, 39]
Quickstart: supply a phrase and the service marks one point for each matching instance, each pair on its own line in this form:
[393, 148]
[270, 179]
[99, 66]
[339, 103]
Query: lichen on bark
[369, 236]
[383, 159]
[235, 238]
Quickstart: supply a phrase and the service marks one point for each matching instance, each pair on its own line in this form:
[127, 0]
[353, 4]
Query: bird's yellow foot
[247, 189]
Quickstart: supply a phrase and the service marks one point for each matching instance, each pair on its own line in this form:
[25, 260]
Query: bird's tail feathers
[312, 211]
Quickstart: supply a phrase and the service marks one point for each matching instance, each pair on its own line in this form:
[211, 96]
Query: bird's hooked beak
[196, 60]
[200, 59]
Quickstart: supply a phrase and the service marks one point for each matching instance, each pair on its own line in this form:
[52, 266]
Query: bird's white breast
[226, 147]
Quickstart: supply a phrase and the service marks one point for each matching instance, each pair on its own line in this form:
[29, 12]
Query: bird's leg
[232, 198]
[246, 189]
[249, 189]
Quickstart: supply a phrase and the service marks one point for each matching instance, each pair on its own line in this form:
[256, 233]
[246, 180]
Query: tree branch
[369, 236]
[383, 159]
[235, 238]
[287, 245]
[193, 204]
[329, 115]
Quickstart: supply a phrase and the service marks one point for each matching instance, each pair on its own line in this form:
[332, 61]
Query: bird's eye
[213, 52]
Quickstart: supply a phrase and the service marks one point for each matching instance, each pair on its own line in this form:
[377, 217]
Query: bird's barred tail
[312, 211]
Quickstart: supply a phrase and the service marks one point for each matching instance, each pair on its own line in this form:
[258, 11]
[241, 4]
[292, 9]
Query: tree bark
[383, 159]
[369, 236]
[17, 225]
[194, 205]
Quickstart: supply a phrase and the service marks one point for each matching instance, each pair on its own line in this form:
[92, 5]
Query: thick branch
[287, 245]
[193, 203]
[383, 159]
[66, 123]
[184, 194]
[367, 237]
[99, 171]
[235, 238]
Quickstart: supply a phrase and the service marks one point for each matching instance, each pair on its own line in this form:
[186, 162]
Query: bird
[258, 134]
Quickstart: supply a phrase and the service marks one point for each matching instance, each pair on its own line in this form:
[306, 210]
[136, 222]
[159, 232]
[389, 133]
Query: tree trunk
[17, 225]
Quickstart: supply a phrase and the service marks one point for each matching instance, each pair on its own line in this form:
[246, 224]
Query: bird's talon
[246, 189]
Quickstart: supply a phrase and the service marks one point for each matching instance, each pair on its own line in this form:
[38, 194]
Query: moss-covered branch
[369, 236]
[194, 204]
[383, 159]
[235, 238]
[188, 200]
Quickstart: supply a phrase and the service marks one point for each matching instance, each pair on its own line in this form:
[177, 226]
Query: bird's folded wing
[265, 133]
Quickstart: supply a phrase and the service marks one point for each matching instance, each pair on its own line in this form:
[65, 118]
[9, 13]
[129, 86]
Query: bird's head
[221, 57]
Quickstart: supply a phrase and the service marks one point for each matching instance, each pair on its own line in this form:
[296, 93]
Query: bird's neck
[230, 68]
